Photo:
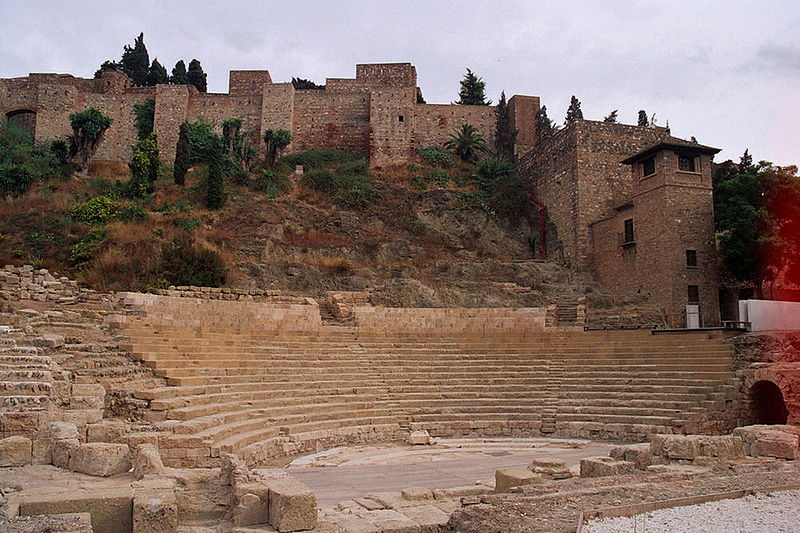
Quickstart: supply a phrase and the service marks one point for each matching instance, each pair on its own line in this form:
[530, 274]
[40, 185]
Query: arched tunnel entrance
[767, 405]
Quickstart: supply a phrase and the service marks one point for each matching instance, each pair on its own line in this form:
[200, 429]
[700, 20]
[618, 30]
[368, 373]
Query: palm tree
[466, 143]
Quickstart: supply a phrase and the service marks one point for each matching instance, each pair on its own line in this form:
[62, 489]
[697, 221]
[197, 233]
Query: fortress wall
[172, 106]
[604, 181]
[331, 120]
[392, 119]
[119, 139]
[551, 173]
[17, 93]
[434, 123]
[523, 110]
[247, 82]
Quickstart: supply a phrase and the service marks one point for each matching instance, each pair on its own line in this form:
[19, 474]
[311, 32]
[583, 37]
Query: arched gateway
[767, 405]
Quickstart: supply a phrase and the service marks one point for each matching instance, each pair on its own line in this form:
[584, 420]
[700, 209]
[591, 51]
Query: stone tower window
[628, 237]
[686, 164]
[691, 258]
[649, 166]
[253, 86]
[693, 293]
[400, 118]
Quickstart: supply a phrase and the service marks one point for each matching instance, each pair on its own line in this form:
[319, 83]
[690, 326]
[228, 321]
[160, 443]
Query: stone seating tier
[265, 394]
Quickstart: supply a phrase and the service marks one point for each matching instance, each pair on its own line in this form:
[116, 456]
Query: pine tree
[157, 74]
[611, 117]
[181, 155]
[195, 75]
[505, 134]
[215, 193]
[544, 126]
[178, 74]
[472, 90]
[643, 120]
[573, 111]
[303, 83]
[135, 61]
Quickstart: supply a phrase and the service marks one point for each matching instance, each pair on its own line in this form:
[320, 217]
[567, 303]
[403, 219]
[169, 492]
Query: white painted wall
[770, 314]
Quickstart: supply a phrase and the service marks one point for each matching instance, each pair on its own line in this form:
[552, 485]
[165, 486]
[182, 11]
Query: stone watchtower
[660, 239]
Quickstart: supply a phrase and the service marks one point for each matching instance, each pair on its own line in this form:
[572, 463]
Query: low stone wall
[250, 315]
[215, 293]
[26, 283]
[456, 320]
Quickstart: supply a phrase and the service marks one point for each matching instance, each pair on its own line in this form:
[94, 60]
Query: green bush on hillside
[184, 263]
[320, 158]
[436, 156]
[97, 210]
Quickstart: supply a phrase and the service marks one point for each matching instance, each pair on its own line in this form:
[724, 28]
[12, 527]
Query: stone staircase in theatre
[272, 380]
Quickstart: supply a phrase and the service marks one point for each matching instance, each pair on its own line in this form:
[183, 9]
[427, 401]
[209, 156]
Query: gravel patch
[772, 512]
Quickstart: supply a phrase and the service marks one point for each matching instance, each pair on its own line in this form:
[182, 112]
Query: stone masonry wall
[331, 120]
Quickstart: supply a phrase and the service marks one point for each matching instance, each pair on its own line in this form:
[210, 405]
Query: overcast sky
[727, 72]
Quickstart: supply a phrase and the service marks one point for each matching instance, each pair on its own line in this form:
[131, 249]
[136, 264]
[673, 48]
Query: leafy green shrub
[321, 180]
[201, 138]
[436, 156]
[319, 158]
[131, 213]
[97, 210]
[144, 116]
[271, 183]
[18, 150]
[105, 187]
[145, 166]
[88, 127]
[347, 183]
[188, 224]
[357, 195]
[183, 263]
[15, 180]
[86, 249]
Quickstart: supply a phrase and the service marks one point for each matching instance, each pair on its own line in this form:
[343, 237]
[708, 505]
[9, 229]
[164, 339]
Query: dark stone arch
[767, 405]
[24, 117]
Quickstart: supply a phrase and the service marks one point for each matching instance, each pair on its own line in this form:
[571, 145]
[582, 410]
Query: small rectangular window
[649, 166]
[694, 294]
[686, 163]
[629, 237]
[691, 258]
[400, 118]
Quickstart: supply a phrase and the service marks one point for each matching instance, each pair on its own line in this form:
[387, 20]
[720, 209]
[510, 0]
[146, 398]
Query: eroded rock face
[147, 461]
[100, 459]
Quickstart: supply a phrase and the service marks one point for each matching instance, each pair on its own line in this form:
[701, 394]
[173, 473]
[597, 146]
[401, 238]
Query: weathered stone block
[550, 468]
[675, 446]
[515, 476]
[605, 466]
[292, 505]
[639, 454]
[417, 493]
[147, 461]
[63, 431]
[419, 438]
[725, 447]
[42, 453]
[100, 459]
[777, 444]
[156, 513]
[15, 451]
[107, 431]
[250, 510]
[62, 451]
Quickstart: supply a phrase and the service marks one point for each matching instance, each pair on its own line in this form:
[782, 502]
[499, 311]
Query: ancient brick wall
[551, 172]
[172, 107]
[434, 123]
[392, 119]
[331, 120]
[522, 111]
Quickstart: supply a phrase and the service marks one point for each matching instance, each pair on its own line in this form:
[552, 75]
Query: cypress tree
[195, 75]
[179, 74]
[215, 193]
[611, 117]
[181, 155]
[107, 65]
[573, 111]
[505, 134]
[544, 126]
[157, 74]
[135, 61]
[472, 90]
[643, 120]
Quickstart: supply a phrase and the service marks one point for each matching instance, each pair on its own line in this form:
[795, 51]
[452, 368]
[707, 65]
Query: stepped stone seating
[265, 381]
